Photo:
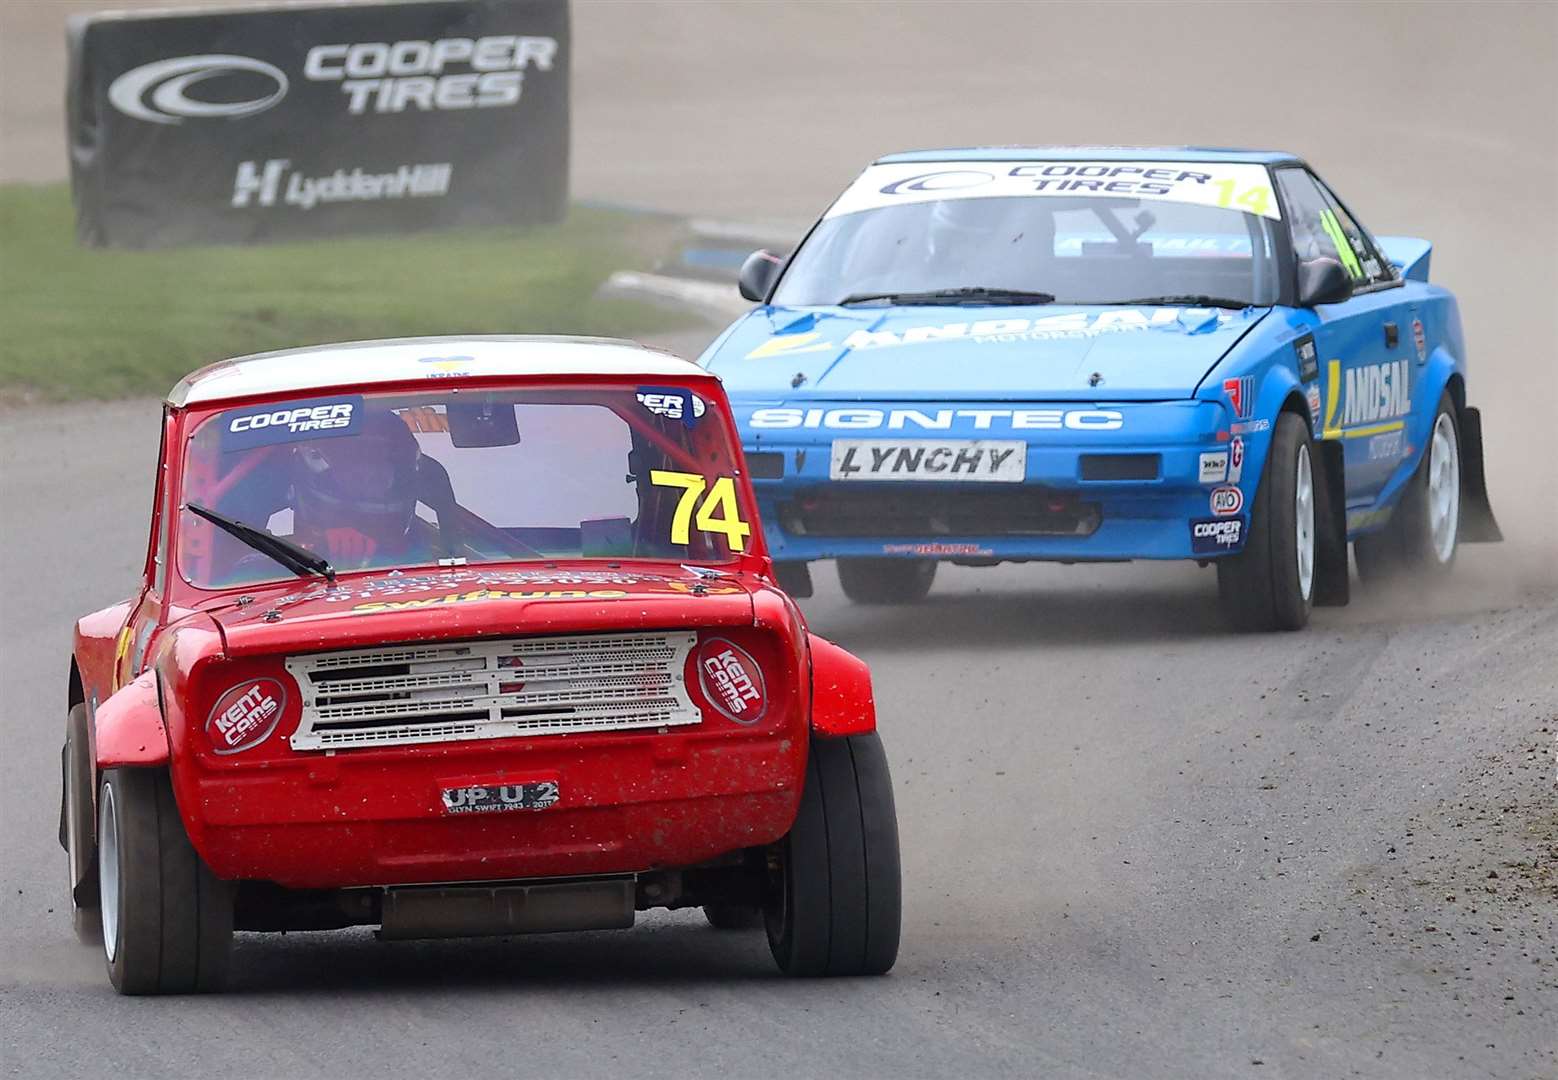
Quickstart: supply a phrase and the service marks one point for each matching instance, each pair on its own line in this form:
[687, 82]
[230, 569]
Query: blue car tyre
[886, 581]
[1270, 585]
[1423, 533]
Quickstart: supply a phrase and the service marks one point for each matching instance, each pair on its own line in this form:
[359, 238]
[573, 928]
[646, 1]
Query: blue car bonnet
[1052, 352]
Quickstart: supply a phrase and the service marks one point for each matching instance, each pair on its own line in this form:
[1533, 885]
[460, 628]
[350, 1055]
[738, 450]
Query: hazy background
[1431, 119]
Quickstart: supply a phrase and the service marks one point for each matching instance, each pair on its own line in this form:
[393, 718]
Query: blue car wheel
[886, 581]
[1423, 533]
[1270, 585]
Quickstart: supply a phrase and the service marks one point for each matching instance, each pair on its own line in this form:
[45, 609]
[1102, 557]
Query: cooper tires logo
[955, 180]
[159, 92]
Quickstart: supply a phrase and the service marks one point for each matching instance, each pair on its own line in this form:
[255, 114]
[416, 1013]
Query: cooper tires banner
[264, 124]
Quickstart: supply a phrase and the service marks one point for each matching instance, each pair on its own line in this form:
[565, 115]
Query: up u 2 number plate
[500, 798]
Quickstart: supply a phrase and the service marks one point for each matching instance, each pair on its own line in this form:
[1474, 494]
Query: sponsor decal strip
[490, 594]
[868, 419]
[1234, 185]
[1066, 326]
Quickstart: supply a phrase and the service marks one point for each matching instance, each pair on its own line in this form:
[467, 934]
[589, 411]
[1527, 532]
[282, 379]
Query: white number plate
[987, 460]
[498, 798]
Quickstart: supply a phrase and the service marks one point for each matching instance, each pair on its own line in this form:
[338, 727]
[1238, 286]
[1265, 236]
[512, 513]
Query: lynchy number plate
[496, 798]
[988, 460]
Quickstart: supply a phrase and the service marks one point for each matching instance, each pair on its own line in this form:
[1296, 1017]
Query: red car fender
[96, 648]
[841, 699]
[130, 730]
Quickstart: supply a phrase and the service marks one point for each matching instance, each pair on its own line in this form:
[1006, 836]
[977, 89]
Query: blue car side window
[1322, 228]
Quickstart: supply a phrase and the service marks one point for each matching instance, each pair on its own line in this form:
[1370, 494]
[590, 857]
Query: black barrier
[279, 123]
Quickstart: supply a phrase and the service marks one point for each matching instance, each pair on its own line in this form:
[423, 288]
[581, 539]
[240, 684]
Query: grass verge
[89, 323]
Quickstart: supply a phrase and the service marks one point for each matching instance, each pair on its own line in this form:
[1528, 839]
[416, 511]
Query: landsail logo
[161, 92]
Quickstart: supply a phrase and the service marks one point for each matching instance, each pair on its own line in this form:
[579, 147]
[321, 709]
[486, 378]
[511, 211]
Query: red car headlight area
[246, 715]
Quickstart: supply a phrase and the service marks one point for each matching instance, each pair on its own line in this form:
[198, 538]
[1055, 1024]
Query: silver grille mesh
[401, 695]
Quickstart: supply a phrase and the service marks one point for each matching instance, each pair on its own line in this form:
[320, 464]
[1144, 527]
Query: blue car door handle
[1392, 335]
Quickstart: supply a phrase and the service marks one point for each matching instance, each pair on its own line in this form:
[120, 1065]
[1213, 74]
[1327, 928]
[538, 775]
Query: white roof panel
[367, 363]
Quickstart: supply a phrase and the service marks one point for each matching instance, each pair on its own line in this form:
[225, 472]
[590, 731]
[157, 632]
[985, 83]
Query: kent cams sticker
[245, 716]
[731, 681]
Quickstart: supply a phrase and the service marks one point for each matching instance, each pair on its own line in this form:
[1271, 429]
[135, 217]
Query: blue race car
[1097, 354]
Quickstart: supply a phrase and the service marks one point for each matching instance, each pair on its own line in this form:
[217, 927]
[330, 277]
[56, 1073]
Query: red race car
[459, 637]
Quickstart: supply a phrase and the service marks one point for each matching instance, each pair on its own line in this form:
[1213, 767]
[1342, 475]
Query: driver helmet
[959, 226]
[365, 481]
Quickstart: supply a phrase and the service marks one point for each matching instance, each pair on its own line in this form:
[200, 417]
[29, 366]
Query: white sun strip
[1236, 185]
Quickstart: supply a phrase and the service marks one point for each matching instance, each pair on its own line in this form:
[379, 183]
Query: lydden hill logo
[161, 91]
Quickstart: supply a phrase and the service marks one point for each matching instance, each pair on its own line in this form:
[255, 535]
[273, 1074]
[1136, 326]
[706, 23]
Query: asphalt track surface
[1135, 845]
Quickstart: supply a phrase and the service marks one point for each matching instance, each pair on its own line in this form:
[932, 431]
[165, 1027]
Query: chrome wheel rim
[1444, 488]
[108, 871]
[1304, 521]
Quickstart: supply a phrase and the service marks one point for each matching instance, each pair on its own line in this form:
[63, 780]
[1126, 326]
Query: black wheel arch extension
[1478, 525]
[1332, 586]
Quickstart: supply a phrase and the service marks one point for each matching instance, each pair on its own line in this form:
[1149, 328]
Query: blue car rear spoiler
[1407, 254]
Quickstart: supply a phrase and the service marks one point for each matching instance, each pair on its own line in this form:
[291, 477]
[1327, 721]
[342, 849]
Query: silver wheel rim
[108, 872]
[1444, 488]
[1304, 521]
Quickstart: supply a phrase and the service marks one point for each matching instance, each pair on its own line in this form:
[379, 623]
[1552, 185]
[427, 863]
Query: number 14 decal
[1256, 198]
[719, 498]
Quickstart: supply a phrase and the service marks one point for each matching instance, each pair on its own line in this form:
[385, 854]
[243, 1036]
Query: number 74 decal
[719, 498]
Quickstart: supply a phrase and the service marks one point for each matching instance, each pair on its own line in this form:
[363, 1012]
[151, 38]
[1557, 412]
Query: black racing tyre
[733, 916]
[1423, 533]
[167, 920]
[886, 581]
[77, 834]
[1270, 584]
[835, 899]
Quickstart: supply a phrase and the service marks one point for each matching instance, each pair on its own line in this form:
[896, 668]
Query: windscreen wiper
[1187, 300]
[972, 294]
[299, 560]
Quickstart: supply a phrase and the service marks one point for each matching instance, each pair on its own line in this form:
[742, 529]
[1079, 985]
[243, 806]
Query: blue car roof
[1093, 153]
